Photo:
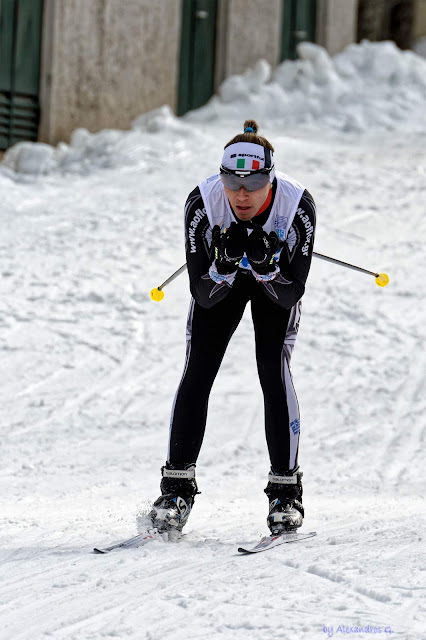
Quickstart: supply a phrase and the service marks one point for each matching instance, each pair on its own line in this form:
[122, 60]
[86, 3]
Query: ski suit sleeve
[206, 285]
[287, 285]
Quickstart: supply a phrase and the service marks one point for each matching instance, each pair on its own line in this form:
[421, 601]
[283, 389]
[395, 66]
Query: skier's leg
[208, 334]
[276, 331]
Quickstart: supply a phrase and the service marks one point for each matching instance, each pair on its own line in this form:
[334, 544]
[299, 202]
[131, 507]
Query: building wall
[253, 32]
[419, 30]
[104, 62]
[336, 24]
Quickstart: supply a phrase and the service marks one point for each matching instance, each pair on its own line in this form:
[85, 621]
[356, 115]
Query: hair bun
[250, 135]
[251, 124]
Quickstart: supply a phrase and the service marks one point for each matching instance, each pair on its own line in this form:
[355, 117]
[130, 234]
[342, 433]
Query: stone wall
[253, 32]
[104, 62]
[336, 24]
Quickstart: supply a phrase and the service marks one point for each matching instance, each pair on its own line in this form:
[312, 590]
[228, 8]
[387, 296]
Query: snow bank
[370, 86]
[107, 149]
[86, 151]
[419, 47]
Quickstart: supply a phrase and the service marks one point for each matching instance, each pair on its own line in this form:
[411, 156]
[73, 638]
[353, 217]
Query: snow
[419, 47]
[371, 85]
[90, 366]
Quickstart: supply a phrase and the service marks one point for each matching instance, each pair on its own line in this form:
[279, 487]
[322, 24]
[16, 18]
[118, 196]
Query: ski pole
[382, 279]
[158, 293]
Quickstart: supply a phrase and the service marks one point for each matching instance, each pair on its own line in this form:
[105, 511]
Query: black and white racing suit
[215, 312]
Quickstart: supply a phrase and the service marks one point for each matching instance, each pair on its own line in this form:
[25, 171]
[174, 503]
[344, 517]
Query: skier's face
[247, 203]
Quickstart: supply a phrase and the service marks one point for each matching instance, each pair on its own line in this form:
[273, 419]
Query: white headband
[247, 156]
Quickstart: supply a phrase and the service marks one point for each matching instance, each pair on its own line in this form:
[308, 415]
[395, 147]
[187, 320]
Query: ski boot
[285, 491]
[171, 510]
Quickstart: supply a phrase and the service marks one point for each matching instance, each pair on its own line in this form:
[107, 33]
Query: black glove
[229, 247]
[260, 250]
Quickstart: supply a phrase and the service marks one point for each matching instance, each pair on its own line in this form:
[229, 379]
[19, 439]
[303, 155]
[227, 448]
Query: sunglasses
[250, 180]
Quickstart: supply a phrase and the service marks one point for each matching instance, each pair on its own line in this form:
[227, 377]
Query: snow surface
[90, 366]
[420, 47]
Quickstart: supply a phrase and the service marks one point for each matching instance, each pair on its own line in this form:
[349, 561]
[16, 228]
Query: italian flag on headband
[250, 164]
[247, 156]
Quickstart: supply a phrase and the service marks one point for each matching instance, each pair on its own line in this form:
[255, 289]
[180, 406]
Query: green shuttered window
[20, 40]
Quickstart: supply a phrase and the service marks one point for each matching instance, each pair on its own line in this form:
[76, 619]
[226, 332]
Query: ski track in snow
[90, 366]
